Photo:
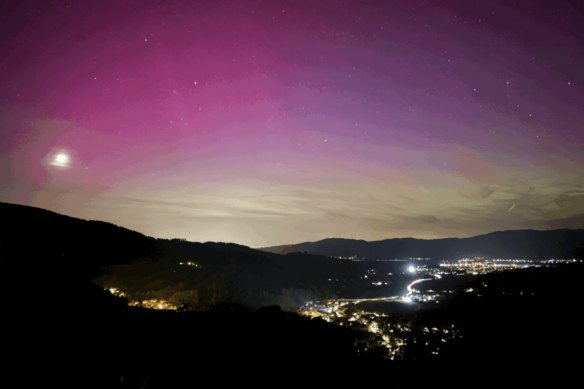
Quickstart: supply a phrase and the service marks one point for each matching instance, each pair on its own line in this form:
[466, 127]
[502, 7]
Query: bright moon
[61, 159]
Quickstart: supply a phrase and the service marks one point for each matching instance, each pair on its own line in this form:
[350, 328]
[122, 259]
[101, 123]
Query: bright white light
[61, 160]
[411, 269]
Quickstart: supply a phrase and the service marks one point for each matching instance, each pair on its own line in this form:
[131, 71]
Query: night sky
[269, 122]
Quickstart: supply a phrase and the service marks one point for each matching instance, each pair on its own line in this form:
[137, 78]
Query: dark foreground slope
[60, 328]
[531, 244]
[83, 336]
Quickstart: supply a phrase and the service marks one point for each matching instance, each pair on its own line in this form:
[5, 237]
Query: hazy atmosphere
[265, 123]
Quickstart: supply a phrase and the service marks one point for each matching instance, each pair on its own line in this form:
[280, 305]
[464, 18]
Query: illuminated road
[362, 300]
[408, 296]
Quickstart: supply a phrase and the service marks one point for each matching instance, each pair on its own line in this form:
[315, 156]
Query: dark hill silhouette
[61, 243]
[91, 245]
[43, 245]
[564, 243]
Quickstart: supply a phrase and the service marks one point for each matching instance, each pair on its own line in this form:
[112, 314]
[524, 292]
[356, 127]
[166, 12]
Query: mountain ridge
[413, 238]
[528, 242]
[54, 232]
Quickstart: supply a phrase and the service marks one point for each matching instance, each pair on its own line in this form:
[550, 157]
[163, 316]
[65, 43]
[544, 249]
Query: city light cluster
[153, 304]
[381, 330]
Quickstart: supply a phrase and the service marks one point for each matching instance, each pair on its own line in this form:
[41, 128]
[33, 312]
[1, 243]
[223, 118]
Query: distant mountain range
[89, 246]
[563, 243]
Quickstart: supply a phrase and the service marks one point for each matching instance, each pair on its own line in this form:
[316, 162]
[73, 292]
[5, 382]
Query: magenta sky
[267, 122]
